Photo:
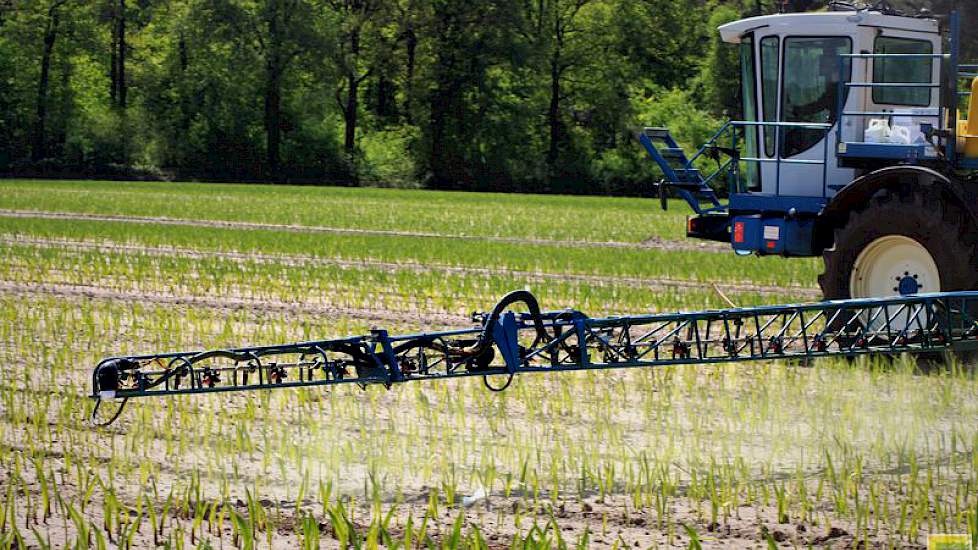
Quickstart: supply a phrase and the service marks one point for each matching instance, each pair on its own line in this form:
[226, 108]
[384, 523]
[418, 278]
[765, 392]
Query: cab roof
[797, 22]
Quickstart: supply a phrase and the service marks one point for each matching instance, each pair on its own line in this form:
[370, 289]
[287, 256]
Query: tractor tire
[902, 243]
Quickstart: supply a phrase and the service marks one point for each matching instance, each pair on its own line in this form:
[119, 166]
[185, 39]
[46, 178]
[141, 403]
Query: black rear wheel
[902, 243]
[882, 246]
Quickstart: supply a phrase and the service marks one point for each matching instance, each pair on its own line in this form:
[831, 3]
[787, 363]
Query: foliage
[387, 159]
[499, 95]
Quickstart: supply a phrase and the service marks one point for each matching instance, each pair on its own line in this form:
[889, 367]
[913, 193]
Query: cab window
[769, 85]
[811, 88]
[748, 80]
[916, 71]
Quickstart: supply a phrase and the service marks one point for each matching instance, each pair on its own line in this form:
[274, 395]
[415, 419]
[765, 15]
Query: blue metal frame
[680, 178]
[779, 204]
[557, 341]
[686, 176]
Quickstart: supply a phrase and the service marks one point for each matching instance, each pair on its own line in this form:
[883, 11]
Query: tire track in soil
[655, 243]
[271, 306]
[307, 261]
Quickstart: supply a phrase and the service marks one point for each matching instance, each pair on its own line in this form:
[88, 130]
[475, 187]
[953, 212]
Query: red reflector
[738, 232]
[690, 226]
[771, 244]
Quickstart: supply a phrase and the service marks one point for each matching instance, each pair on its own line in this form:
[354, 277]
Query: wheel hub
[907, 284]
[893, 265]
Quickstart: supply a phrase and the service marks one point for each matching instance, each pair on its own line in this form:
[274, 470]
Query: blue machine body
[778, 220]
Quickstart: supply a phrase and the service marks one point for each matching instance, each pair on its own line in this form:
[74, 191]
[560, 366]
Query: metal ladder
[670, 157]
[678, 170]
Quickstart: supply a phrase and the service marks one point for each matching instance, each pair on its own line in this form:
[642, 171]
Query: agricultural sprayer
[852, 148]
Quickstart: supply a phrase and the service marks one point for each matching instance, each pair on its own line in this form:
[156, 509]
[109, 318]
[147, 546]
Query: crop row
[610, 262]
[446, 213]
[363, 288]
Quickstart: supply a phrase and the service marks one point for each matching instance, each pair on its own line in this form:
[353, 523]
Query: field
[838, 454]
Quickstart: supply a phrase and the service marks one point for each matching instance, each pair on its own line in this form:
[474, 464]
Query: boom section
[507, 343]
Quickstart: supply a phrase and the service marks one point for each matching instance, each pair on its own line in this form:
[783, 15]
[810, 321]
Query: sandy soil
[608, 523]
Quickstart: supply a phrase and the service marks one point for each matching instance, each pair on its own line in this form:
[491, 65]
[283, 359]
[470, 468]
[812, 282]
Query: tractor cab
[833, 69]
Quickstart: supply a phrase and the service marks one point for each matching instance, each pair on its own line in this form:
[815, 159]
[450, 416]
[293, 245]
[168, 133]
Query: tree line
[538, 95]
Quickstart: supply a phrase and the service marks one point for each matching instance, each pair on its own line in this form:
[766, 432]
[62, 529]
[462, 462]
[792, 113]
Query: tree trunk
[385, 97]
[184, 57]
[352, 98]
[114, 62]
[350, 117]
[64, 114]
[436, 160]
[273, 116]
[121, 55]
[273, 95]
[117, 57]
[553, 113]
[411, 44]
[50, 35]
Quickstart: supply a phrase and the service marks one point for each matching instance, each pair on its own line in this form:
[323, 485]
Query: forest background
[503, 95]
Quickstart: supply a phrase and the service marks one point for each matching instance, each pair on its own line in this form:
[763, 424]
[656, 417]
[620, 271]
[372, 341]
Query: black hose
[115, 416]
[485, 380]
[516, 296]
[484, 340]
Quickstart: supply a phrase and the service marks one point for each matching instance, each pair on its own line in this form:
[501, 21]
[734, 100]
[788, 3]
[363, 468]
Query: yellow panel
[971, 136]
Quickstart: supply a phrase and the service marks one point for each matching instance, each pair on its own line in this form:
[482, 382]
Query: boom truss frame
[507, 343]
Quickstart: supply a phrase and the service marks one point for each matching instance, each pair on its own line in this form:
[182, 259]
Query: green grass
[444, 213]
[359, 287]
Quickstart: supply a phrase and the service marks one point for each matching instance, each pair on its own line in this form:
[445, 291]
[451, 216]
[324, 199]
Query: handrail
[709, 142]
[785, 161]
[895, 55]
[846, 83]
[802, 125]
[731, 167]
[890, 113]
[890, 85]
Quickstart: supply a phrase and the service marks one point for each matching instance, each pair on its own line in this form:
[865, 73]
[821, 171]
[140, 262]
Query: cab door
[798, 80]
[769, 84]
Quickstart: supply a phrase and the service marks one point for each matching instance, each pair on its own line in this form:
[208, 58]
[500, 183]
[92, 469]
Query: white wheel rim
[893, 265]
